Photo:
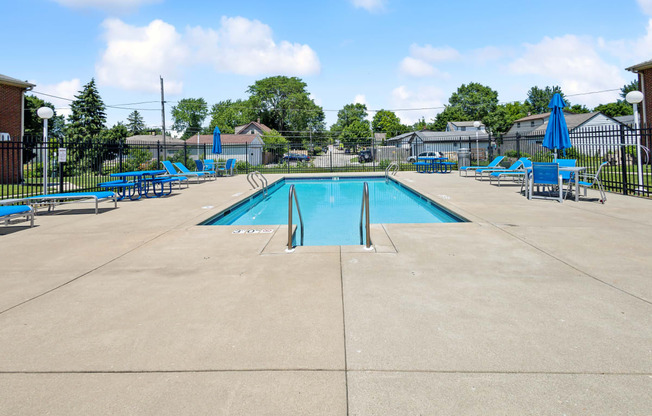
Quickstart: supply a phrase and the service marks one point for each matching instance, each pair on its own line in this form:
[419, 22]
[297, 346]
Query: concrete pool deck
[533, 307]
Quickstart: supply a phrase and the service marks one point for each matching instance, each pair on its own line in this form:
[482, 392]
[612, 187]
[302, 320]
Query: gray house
[447, 142]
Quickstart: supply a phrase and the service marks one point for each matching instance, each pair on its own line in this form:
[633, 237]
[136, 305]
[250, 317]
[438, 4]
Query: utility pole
[163, 118]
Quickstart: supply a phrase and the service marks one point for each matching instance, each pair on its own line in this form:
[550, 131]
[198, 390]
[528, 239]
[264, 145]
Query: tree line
[284, 104]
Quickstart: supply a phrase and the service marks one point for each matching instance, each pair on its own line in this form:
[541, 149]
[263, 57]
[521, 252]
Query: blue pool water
[331, 208]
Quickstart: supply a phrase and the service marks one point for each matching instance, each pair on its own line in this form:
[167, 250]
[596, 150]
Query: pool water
[331, 208]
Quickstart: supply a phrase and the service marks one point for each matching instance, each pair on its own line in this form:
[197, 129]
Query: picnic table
[136, 183]
[433, 164]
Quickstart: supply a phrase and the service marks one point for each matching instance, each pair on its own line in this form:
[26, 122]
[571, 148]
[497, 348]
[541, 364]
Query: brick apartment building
[12, 122]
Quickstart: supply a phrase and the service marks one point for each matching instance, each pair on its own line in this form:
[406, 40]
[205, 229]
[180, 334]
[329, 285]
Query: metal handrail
[250, 178]
[292, 193]
[263, 181]
[364, 213]
[396, 167]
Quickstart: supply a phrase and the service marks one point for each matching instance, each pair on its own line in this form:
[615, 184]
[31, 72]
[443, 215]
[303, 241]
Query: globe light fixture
[634, 98]
[45, 113]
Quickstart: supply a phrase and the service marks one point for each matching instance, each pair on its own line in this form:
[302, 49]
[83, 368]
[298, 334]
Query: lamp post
[45, 113]
[635, 97]
[476, 124]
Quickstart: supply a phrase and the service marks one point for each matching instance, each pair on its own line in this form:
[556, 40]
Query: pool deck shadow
[532, 307]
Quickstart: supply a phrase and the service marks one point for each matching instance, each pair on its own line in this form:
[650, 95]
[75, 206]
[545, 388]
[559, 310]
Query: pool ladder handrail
[364, 213]
[251, 178]
[293, 193]
[394, 168]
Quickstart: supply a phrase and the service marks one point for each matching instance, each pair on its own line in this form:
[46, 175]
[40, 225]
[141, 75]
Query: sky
[407, 56]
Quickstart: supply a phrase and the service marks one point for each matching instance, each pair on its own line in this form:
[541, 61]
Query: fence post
[120, 155]
[518, 145]
[185, 152]
[247, 157]
[60, 168]
[623, 160]
[373, 153]
[158, 154]
[331, 153]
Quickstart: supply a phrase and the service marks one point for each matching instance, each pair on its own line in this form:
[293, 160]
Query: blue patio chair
[493, 164]
[199, 164]
[209, 167]
[230, 167]
[566, 176]
[8, 212]
[587, 181]
[519, 173]
[546, 175]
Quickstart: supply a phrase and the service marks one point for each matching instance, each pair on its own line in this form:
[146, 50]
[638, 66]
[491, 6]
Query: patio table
[435, 162]
[574, 170]
[141, 179]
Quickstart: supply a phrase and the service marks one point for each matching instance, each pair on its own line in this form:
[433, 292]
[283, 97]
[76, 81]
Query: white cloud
[430, 53]
[416, 68]
[109, 5]
[572, 63]
[425, 103]
[646, 6]
[247, 47]
[65, 89]
[136, 56]
[370, 5]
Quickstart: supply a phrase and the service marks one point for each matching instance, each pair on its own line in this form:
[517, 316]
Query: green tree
[85, 124]
[349, 114]
[578, 109]
[475, 100]
[229, 114]
[135, 123]
[284, 104]
[450, 113]
[386, 121]
[500, 120]
[632, 86]
[188, 116]
[538, 99]
[34, 126]
[273, 140]
[617, 109]
[420, 124]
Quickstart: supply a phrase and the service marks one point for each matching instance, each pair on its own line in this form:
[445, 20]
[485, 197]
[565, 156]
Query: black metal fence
[25, 164]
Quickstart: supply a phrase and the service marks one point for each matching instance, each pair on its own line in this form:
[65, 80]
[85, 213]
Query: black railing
[89, 163]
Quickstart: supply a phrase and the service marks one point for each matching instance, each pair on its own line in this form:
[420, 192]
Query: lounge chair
[479, 173]
[518, 173]
[187, 172]
[546, 175]
[52, 200]
[493, 164]
[7, 212]
[587, 181]
[173, 172]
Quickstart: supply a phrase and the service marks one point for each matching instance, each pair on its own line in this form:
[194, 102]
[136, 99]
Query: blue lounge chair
[52, 200]
[479, 173]
[8, 212]
[226, 168]
[187, 172]
[546, 175]
[518, 173]
[493, 164]
[173, 172]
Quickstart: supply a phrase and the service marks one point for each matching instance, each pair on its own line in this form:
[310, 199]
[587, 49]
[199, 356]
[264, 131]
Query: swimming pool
[331, 208]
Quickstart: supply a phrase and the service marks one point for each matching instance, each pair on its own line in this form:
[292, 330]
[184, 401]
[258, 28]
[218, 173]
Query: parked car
[412, 159]
[365, 156]
[296, 156]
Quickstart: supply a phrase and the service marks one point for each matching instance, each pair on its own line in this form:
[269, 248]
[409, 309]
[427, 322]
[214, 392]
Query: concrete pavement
[533, 307]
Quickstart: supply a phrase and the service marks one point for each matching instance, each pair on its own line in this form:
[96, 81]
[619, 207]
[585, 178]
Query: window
[532, 123]
[518, 125]
[463, 128]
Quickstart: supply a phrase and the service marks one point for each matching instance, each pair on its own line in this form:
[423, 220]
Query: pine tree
[135, 123]
[85, 125]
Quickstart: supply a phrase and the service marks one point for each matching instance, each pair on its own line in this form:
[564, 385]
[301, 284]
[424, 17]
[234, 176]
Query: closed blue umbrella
[217, 141]
[557, 137]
